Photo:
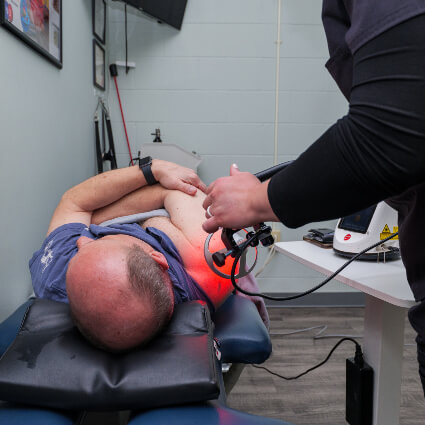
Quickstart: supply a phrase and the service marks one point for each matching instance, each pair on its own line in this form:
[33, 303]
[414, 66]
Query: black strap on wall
[110, 155]
[101, 154]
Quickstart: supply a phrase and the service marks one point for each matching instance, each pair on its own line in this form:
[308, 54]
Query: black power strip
[359, 392]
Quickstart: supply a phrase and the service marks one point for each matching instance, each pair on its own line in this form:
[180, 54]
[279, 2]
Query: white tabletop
[386, 281]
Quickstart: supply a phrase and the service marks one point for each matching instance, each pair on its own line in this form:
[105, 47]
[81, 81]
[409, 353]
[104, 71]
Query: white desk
[388, 296]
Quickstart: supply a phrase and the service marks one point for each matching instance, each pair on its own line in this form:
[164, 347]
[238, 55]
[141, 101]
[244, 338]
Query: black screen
[168, 11]
[358, 222]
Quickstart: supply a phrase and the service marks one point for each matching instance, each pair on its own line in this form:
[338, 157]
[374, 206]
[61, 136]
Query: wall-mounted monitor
[168, 11]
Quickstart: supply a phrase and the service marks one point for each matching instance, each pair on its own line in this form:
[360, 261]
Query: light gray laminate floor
[319, 397]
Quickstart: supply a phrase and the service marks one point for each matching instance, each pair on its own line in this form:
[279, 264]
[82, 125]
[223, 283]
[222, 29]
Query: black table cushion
[50, 364]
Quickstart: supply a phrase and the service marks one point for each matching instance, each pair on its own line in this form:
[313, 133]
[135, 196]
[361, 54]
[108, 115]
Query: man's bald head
[119, 295]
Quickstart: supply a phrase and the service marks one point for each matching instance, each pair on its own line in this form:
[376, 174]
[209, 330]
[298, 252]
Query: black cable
[358, 357]
[293, 297]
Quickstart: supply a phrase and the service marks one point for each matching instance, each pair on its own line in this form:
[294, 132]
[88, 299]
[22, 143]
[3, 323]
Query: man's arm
[185, 230]
[145, 199]
[187, 216]
[79, 203]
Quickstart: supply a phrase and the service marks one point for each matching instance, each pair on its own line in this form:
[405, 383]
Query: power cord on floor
[297, 331]
[320, 334]
[358, 358]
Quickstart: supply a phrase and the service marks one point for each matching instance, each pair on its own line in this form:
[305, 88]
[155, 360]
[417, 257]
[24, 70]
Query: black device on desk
[320, 237]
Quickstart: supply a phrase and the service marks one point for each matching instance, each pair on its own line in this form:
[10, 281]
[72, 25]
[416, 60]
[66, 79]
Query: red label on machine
[347, 237]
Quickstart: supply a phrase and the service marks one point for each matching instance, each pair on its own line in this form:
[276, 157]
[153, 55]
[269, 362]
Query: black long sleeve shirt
[375, 152]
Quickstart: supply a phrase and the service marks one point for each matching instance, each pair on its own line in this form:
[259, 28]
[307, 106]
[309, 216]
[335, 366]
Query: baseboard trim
[320, 299]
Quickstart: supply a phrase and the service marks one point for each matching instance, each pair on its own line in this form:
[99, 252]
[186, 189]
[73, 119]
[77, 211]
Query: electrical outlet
[276, 235]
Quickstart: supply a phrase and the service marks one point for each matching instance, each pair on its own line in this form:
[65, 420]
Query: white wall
[211, 88]
[46, 140]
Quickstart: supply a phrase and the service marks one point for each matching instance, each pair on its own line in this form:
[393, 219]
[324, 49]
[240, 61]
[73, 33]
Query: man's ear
[160, 259]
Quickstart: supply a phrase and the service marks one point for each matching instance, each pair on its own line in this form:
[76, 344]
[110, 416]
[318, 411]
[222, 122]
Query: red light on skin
[347, 237]
[217, 288]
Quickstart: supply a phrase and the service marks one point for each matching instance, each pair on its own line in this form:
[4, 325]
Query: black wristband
[145, 166]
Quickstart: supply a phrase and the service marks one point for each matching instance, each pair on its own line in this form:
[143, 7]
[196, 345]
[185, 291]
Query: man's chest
[160, 223]
[166, 226]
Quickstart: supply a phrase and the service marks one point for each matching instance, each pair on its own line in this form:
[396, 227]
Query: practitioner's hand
[237, 201]
[175, 177]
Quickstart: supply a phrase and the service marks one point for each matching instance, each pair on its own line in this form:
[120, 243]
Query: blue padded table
[242, 335]
[20, 415]
[203, 414]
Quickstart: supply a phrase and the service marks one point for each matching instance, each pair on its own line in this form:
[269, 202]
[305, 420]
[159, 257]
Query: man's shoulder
[49, 264]
[66, 234]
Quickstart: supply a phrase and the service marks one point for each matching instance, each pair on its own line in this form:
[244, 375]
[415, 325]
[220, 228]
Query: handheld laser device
[361, 228]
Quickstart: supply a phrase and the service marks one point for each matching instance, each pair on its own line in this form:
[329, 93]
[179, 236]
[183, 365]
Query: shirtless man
[122, 281]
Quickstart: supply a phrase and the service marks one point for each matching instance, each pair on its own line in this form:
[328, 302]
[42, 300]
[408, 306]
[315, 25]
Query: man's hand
[175, 177]
[237, 201]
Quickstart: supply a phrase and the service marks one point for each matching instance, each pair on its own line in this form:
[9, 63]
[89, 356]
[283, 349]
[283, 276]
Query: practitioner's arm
[79, 202]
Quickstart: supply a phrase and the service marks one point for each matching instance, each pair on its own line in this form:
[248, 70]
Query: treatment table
[242, 338]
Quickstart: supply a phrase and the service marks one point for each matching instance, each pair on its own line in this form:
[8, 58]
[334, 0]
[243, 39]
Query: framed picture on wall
[99, 19]
[98, 65]
[36, 22]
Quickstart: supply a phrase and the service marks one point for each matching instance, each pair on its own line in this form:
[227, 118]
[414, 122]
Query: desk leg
[383, 348]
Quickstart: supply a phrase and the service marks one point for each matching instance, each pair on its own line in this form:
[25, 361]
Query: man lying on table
[122, 281]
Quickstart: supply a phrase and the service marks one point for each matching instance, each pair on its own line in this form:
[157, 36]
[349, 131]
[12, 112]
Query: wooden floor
[319, 397]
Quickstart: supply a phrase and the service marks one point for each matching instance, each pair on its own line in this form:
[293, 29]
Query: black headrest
[50, 364]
